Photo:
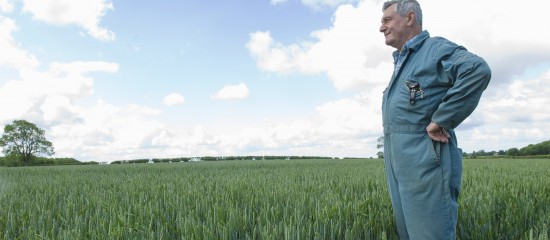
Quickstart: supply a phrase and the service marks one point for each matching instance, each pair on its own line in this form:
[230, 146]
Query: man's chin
[391, 43]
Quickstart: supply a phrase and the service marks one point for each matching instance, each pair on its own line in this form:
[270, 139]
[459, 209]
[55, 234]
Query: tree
[25, 140]
[380, 145]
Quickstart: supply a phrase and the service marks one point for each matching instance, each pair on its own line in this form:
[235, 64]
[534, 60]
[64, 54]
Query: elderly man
[435, 85]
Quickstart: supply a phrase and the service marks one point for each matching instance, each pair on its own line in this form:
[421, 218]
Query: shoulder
[442, 45]
[442, 49]
[452, 54]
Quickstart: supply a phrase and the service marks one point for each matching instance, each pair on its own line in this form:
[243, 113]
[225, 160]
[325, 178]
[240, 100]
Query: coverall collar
[415, 42]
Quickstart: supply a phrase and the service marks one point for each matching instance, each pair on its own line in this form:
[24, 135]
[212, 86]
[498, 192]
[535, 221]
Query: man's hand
[437, 133]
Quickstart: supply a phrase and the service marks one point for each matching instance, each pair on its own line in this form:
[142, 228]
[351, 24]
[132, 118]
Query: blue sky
[111, 80]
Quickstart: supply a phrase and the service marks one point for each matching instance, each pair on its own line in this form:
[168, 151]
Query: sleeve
[469, 75]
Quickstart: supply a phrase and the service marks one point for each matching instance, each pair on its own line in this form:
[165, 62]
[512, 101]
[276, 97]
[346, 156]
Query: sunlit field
[264, 199]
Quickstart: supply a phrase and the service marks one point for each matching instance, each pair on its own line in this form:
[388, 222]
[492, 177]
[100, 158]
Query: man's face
[394, 27]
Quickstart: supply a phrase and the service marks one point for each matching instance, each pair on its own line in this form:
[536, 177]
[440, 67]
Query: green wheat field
[265, 199]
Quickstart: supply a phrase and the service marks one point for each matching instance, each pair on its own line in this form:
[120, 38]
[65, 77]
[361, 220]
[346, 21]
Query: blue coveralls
[424, 176]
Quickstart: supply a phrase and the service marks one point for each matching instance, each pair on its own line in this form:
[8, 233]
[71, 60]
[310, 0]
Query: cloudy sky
[111, 80]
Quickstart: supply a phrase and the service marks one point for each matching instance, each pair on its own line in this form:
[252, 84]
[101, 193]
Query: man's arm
[470, 75]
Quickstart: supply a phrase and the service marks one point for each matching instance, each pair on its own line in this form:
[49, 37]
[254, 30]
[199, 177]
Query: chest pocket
[415, 91]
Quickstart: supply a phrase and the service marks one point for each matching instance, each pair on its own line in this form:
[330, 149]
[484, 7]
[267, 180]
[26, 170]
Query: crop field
[266, 199]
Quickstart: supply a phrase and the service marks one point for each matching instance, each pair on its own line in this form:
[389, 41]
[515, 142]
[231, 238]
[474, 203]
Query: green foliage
[538, 149]
[542, 148]
[380, 142]
[505, 199]
[310, 199]
[512, 152]
[15, 161]
[25, 140]
[11, 161]
[380, 145]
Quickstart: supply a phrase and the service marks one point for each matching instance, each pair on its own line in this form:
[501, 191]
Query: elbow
[486, 70]
[484, 73]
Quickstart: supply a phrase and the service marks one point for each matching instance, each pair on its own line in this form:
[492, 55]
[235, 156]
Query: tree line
[217, 158]
[539, 149]
[14, 161]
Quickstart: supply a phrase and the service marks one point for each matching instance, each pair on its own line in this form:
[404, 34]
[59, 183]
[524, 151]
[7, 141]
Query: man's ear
[411, 19]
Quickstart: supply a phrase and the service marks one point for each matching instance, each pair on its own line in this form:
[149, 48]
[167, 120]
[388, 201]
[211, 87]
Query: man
[435, 85]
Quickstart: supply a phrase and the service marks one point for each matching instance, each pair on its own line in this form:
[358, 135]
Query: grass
[305, 199]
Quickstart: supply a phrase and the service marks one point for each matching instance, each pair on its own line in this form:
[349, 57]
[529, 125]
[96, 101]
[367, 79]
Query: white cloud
[232, 92]
[509, 36]
[105, 132]
[12, 55]
[340, 128]
[39, 92]
[351, 53]
[81, 67]
[318, 4]
[275, 2]
[84, 13]
[57, 108]
[350, 117]
[6, 6]
[528, 98]
[345, 127]
[515, 116]
[173, 99]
